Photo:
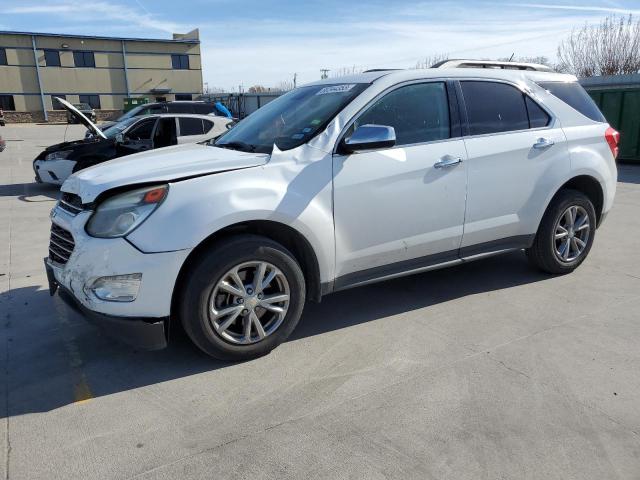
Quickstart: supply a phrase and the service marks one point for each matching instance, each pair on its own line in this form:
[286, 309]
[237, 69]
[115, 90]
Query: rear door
[516, 149]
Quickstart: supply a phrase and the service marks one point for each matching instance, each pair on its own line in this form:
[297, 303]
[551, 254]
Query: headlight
[121, 214]
[61, 155]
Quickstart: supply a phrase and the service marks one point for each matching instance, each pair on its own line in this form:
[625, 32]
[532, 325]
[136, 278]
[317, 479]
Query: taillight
[612, 136]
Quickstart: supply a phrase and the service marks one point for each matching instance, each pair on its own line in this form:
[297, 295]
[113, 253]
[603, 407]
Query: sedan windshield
[290, 120]
[119, 127]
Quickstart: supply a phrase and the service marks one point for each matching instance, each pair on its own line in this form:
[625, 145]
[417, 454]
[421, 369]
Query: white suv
[335, 184]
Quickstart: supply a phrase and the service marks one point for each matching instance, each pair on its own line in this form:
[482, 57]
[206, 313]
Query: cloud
[99, 11]
[578, 8]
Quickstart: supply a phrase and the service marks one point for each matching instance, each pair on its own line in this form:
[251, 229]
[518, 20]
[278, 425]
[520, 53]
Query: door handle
[447, 161]
[543, 143]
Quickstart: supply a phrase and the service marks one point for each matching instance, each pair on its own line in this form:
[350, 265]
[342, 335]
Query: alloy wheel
[249, 302]
[571, 234]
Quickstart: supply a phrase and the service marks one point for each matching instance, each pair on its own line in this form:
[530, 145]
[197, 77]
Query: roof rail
[457, 63]
[381, 70]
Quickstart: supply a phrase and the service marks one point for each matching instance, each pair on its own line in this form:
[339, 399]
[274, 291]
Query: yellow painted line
[82, 392]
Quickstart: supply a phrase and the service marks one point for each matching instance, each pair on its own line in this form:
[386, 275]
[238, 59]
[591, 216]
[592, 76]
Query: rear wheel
[566, 233]
[242, 298]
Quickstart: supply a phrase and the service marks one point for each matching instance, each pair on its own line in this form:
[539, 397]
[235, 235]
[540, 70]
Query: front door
[139, 137]
[402, 208]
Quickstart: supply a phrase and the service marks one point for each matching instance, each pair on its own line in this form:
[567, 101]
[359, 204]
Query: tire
[547, 252]
[202, 294]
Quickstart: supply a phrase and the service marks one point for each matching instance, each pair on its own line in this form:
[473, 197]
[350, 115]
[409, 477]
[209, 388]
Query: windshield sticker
[306, 130]
[297, 136]
[336, 89]
[316, 122]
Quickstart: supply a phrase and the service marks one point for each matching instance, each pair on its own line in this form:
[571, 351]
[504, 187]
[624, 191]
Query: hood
[80, 116]
[163, 165]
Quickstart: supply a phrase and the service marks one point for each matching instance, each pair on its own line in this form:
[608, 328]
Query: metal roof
[96, 37]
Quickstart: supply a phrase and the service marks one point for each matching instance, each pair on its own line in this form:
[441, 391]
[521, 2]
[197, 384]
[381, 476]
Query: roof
[425, 73]
[95, 37]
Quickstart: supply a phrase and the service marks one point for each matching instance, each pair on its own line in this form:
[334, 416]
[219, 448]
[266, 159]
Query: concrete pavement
[487, 370]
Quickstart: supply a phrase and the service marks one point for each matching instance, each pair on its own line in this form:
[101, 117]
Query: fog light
[119, 288]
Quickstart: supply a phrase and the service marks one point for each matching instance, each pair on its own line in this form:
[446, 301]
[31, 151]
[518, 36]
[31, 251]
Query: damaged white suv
[335, 184]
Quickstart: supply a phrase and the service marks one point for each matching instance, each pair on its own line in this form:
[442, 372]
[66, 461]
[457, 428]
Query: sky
[250, 42]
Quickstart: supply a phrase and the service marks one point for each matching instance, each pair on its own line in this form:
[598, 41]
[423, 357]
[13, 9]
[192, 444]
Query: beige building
[100, 71]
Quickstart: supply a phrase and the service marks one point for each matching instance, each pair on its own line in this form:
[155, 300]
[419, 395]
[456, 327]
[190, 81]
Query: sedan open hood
[81, 117]
[162, 165]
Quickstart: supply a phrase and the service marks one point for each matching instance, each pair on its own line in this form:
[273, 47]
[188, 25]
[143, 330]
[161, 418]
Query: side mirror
[367, 137]
[120, 138]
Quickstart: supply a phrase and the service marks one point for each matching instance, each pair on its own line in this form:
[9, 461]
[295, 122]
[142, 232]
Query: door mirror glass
[120, 138]
[367, 137]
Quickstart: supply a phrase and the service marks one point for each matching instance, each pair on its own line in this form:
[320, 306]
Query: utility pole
[324, 73]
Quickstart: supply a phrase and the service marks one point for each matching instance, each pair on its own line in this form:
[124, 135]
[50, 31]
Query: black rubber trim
[509, 243]
[139, 332]
[351, 279]
[372, 274]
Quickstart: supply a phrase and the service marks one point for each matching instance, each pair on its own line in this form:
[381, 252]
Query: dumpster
[618, 97]
[132, 102]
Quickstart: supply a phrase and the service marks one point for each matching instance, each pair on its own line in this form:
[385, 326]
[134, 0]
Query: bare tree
[610, 48]
[431, 60]
[344, 71]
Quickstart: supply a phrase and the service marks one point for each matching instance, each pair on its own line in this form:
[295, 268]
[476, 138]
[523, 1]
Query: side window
[494, 107]
[190, 126]
[575, 96]
[180, 108]
[537, 116]
[207, 125]
[204, 108]
[142, 130]
[418, 113]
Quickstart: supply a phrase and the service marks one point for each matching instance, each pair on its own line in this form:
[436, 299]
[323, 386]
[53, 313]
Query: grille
[71, 203]
[61, 244]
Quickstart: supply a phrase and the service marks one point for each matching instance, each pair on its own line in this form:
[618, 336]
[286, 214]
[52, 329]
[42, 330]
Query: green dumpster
[133, 102]
[621, 108]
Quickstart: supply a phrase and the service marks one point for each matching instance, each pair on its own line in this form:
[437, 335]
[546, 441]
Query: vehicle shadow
[629, 173]
[27, 192]
[52, 350]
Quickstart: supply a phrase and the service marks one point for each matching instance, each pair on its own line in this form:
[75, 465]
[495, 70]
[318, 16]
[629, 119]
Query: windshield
[119, 127]
[290, 120]
[82, 106]
[131, 113]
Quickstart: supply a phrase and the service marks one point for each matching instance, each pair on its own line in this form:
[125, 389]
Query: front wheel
[565, 235]
[242, 298]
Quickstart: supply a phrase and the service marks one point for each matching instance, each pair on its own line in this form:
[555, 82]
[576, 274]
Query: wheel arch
[279, 232]
[588, 185]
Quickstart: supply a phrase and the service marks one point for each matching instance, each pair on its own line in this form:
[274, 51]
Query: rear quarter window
[576, 97]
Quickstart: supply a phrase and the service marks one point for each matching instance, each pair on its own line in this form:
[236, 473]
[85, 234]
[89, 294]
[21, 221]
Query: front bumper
[53, 171]
[141, 322]
[143, 333]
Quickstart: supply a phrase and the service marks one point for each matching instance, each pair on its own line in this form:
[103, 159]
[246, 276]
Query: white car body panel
[357, 212]
[62, 169]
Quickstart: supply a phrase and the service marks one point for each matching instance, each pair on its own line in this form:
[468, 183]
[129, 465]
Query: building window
[180, 62]
[3, 56]
[92, 100]
[55, 103]
[52, 58]
[84, 59]
[6, 102]
[183, 96]
[161, 99]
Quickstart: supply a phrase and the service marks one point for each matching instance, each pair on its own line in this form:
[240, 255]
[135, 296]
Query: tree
[431, 60]
[610, 48]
